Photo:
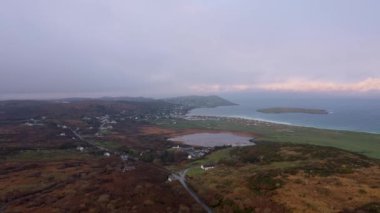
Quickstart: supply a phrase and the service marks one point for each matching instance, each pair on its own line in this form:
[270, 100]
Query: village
[97, 128]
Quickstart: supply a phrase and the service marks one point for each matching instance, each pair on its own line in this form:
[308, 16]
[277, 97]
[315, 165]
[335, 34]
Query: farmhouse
[207, 167]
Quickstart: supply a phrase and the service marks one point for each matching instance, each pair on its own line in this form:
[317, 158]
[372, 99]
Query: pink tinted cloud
[367, 85]
[221, 88]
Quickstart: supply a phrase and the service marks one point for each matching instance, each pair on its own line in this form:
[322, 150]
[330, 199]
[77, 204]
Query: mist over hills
[192, 101]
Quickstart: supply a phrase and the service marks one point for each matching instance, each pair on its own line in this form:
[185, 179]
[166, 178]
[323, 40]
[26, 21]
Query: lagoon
[214, 139]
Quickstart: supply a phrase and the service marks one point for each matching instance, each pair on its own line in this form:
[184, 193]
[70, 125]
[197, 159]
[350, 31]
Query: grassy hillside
[364, 143]
[284, 177]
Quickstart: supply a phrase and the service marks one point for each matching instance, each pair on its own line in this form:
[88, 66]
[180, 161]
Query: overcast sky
[173, 47]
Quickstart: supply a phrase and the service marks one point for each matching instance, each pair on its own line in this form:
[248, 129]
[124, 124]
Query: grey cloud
[165, 47]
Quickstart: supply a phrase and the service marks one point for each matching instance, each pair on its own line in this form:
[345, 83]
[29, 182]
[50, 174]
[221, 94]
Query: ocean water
[358, 114]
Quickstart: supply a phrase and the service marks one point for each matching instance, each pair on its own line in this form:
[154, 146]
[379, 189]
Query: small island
[293, 110]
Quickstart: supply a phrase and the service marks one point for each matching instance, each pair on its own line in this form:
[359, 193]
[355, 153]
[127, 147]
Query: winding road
[82, 139]
[180, 176]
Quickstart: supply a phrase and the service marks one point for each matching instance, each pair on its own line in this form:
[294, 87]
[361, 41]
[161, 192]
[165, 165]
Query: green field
[214, 157]
[108, 144]
[364, 143]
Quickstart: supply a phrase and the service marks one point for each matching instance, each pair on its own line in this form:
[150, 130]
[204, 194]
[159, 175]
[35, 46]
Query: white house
[80, 148]
[207, 167]
[124, 157]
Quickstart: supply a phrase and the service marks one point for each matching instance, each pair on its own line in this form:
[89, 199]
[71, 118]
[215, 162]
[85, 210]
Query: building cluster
[106, 124]
[35, 122]
[194, 153]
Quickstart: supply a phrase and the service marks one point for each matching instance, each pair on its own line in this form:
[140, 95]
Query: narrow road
[181, 177]
[81, 139]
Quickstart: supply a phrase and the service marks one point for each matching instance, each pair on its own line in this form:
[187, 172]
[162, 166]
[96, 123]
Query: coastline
[267, 122]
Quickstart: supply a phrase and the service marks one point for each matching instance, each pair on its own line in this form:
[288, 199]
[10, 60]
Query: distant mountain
[108, 98]
[199, 101]
[187, 101]
[131, 99]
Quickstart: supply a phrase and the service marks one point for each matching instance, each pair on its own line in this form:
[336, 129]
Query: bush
[262, 183]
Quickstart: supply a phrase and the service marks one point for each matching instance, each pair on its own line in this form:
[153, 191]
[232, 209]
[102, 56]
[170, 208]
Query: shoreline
[270, 122]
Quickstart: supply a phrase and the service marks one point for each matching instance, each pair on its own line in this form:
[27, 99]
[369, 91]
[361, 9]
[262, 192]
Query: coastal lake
[214, 139]
[361, 115]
